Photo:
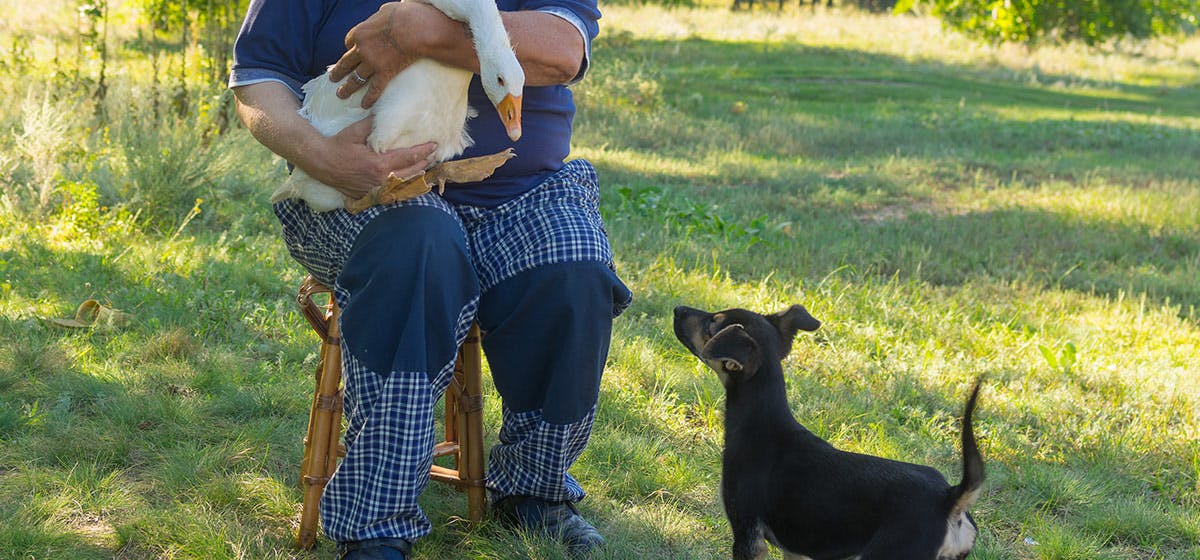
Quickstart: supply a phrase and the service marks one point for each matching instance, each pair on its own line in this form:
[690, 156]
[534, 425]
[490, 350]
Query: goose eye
[500, 80]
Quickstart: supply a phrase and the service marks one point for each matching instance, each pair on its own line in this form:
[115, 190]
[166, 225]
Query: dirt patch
[95, 530]
[894, 213]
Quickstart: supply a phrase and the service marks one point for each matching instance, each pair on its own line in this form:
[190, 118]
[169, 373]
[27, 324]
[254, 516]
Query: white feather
[427, 102]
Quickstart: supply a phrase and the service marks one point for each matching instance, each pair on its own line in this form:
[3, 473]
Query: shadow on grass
[907, 133]
[171, 451]
[1034, 246]
[22, 540]
[1030, 245]
[828, 76]
[185, 405]
[853, 107]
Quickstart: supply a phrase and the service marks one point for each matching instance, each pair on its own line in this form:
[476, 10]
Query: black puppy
[781, 482]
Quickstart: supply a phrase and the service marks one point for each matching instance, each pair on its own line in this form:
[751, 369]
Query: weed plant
[948, 210]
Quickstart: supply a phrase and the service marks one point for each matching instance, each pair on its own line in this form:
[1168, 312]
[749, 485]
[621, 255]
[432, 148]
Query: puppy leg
[750, 550]
[748, 542]
[907, 542]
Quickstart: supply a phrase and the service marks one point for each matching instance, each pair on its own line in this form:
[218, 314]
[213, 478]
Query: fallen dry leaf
[93, 314]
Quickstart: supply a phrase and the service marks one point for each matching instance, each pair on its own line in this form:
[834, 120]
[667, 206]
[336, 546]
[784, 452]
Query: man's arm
[342, 161]
[550, 48]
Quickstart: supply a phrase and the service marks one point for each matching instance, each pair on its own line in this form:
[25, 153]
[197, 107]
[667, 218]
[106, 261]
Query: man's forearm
[549, 47]
[268, 110]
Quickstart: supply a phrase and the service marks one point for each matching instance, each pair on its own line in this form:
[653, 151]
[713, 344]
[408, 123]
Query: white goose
[426, 102]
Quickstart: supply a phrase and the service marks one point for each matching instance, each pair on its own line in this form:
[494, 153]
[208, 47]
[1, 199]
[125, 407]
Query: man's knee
[400, 241]
[547, 336]
[408, 278]
[587, 291]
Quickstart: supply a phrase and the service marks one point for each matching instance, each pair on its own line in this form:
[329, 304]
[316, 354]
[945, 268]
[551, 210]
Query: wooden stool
[464, 417]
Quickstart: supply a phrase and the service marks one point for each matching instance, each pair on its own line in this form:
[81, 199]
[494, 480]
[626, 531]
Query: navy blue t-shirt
[294, 41]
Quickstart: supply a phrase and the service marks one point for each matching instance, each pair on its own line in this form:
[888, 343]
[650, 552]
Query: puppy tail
[973, 474]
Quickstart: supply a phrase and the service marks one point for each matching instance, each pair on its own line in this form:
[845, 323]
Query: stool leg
[464, 418]
[471, 467]
[325, 426]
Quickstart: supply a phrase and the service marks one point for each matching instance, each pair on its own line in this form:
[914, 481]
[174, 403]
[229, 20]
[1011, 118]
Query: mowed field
[948, 210]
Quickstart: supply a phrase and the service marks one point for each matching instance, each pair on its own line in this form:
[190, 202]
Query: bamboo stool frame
[463, 427]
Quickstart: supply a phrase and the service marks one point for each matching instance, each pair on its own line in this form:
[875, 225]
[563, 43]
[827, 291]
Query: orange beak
[510, 114]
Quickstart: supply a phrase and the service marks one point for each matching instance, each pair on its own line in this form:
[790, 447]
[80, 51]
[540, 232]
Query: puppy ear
[734, 351]
[792, 319]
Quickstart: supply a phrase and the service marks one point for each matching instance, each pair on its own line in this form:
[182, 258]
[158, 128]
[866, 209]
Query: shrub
[167, 168]
[1094, 22]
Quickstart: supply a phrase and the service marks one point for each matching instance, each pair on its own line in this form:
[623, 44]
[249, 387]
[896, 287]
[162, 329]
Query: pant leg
[547, 339]
[549, 297]
[408, 295]
[403, 278]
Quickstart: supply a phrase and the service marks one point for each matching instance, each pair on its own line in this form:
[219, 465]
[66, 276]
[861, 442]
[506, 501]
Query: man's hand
[343, 161]
[385, 44]
[346, 163]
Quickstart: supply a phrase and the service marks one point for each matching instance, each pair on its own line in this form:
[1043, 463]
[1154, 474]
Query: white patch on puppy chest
[960, 538]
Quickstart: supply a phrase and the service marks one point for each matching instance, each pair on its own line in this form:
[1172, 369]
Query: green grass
[948, 210]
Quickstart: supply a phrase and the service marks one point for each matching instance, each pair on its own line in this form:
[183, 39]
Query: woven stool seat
[463, 438]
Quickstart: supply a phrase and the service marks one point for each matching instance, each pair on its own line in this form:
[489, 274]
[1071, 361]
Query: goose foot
[470, 170]
[397, 189]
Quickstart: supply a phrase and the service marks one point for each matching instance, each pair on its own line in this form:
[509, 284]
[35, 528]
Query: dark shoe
[557, 520]
[374, 549]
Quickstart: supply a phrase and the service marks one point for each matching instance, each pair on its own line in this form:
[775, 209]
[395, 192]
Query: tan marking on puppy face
[695, 330]
[720, 340]
[715, 365]
[709, 328]
[691, 328]
[696, 341]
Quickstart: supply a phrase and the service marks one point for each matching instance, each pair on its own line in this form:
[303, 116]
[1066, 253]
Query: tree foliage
[1093, 22]
[211, 23]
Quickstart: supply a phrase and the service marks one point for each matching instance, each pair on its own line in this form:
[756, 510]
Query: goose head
[499, 70]
[503, 82]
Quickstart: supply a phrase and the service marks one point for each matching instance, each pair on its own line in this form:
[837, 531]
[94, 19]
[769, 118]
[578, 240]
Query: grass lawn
[947, 210]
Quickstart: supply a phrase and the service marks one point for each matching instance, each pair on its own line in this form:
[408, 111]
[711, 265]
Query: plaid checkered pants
[537, 272]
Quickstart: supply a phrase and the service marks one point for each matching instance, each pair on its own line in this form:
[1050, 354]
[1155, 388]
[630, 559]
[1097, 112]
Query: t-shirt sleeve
[276, 43]
[583, 14]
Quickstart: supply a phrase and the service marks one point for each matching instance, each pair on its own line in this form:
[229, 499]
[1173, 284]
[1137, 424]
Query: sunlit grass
[1170, 63]
[947, 209]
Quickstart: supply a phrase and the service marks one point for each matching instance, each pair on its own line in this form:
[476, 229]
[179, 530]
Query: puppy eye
[715, 324]
[731, 366]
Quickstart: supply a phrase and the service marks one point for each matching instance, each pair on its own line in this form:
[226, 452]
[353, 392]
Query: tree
[1091, 21]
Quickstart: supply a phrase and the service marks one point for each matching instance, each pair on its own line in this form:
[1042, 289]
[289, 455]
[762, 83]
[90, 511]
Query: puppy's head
[736, 342]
